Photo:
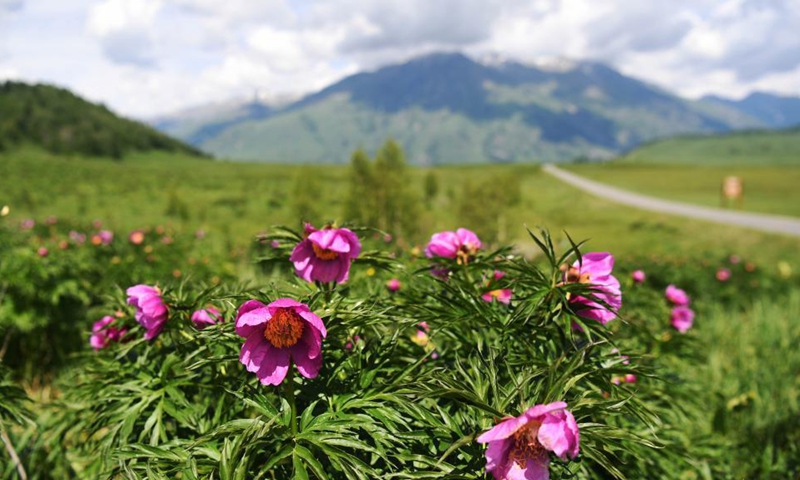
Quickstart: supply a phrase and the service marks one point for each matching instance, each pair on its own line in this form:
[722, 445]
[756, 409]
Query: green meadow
[232, 202]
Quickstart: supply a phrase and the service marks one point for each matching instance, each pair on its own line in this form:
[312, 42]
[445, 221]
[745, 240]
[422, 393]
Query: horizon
[151, 58]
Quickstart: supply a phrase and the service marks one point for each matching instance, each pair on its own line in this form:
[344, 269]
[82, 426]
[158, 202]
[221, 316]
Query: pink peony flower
[458, 245]
[136, 237]
[502, 295]
[734, 259]
[596, 271]
[279, 333]
[103, 335]
[638, 276]
[682, 318]
[393, 285]
[723, 274]
[518, 446]
[77, 237]
[42, 251]
[498, 274]
[106, 236]
[205, 317]
[151, 312]
[27, 224]
[677, 296]
[325, 255]
[630, 378]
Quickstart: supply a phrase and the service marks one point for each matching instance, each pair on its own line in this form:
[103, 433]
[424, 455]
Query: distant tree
[431, 188]
[304, 204]
[484, 206]
[379, 193]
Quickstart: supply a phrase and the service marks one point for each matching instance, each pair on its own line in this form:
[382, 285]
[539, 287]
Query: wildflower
[275, 244]
[27, 224]
[136, 237]
[77, 237]
[638, 276]
[518, 446]
[205, 317]
[97, 224]
[723, 274]
[283, 331]
[167, 240]
[595, 269]
[682, 318]
[96, 240]
[106, 236]
[502, 295]
[51, 220]
[63, 244]
[200, 234]
[734, 259]
[784, 269]
[103, 335]
[151, 312]
[43, 251]
[393, 285]
[424, 326]
[459, 245]
[5, 210]
[677, 296]
[325, 255]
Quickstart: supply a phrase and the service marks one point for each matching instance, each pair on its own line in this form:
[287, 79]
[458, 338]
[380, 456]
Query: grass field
[232, 202]
[767, 189]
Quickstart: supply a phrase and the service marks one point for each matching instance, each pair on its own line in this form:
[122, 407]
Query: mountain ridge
[501, 110]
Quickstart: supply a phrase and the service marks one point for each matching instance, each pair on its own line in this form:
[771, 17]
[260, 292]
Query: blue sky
[149, 57]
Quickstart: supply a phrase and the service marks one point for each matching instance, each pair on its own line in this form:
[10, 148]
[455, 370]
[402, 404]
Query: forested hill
[61, 122]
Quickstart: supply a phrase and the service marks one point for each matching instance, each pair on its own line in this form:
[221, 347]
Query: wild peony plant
[369, 402]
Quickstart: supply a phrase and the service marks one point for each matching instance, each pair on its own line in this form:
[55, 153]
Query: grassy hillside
[63, 123]
[691, 169]
[232, 202]
[750, 148]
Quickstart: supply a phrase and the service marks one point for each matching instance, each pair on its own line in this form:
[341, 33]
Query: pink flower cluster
[460, 245]
[519, 447]
[594, 269]
[682, 317]
[151, 311]
[502, 295]
[103, 334]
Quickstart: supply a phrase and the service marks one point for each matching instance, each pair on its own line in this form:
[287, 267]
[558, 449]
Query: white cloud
[145, 57]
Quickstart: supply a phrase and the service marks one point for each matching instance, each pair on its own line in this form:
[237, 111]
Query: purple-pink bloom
[106, 236]
[682, 318]
[151, 311]
[595, 269]
[518, 446]
[723, 274]
[136, 237]
[277, 334]
[77, 237]
[393, 285]
[458, 245]
[205, 317]
[638, 276]
[103, 334]
[677, 296]
[325, 255]
[27, 224]
[502, 295]
[43, 251]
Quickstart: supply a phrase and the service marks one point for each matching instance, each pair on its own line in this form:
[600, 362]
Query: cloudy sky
[149, 57]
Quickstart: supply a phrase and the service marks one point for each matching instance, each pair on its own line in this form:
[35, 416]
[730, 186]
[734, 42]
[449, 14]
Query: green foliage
[484, 206]
[63, 123]
[379, 192]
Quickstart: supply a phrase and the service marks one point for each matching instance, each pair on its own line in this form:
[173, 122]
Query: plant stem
[288, 390]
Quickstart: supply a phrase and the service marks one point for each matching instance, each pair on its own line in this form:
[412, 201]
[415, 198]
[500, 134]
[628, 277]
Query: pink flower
[458, 245]
[205, 317]
[723, 274]
[325, 255]
[200, 234]
[279, 333]
[424, 326]
[97, 223]
[630, 378]
[103, 335]
[677, 296]
[682, 318]
[498, 274]
[51, 220]
[596, 271]
[638, 276]
[393, 285]
[27, 224]
[106, 236]
[77, 237]
[518, 446]
[151, 312]
[502, 296]
[42, 251]
[734, 259]
[136, 237]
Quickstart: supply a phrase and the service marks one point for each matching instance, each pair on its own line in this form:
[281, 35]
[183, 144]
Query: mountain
[449, 108]
[61, 122]
[774, 111]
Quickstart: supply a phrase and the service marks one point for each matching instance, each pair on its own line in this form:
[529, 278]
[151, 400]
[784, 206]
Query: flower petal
[274, 366]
